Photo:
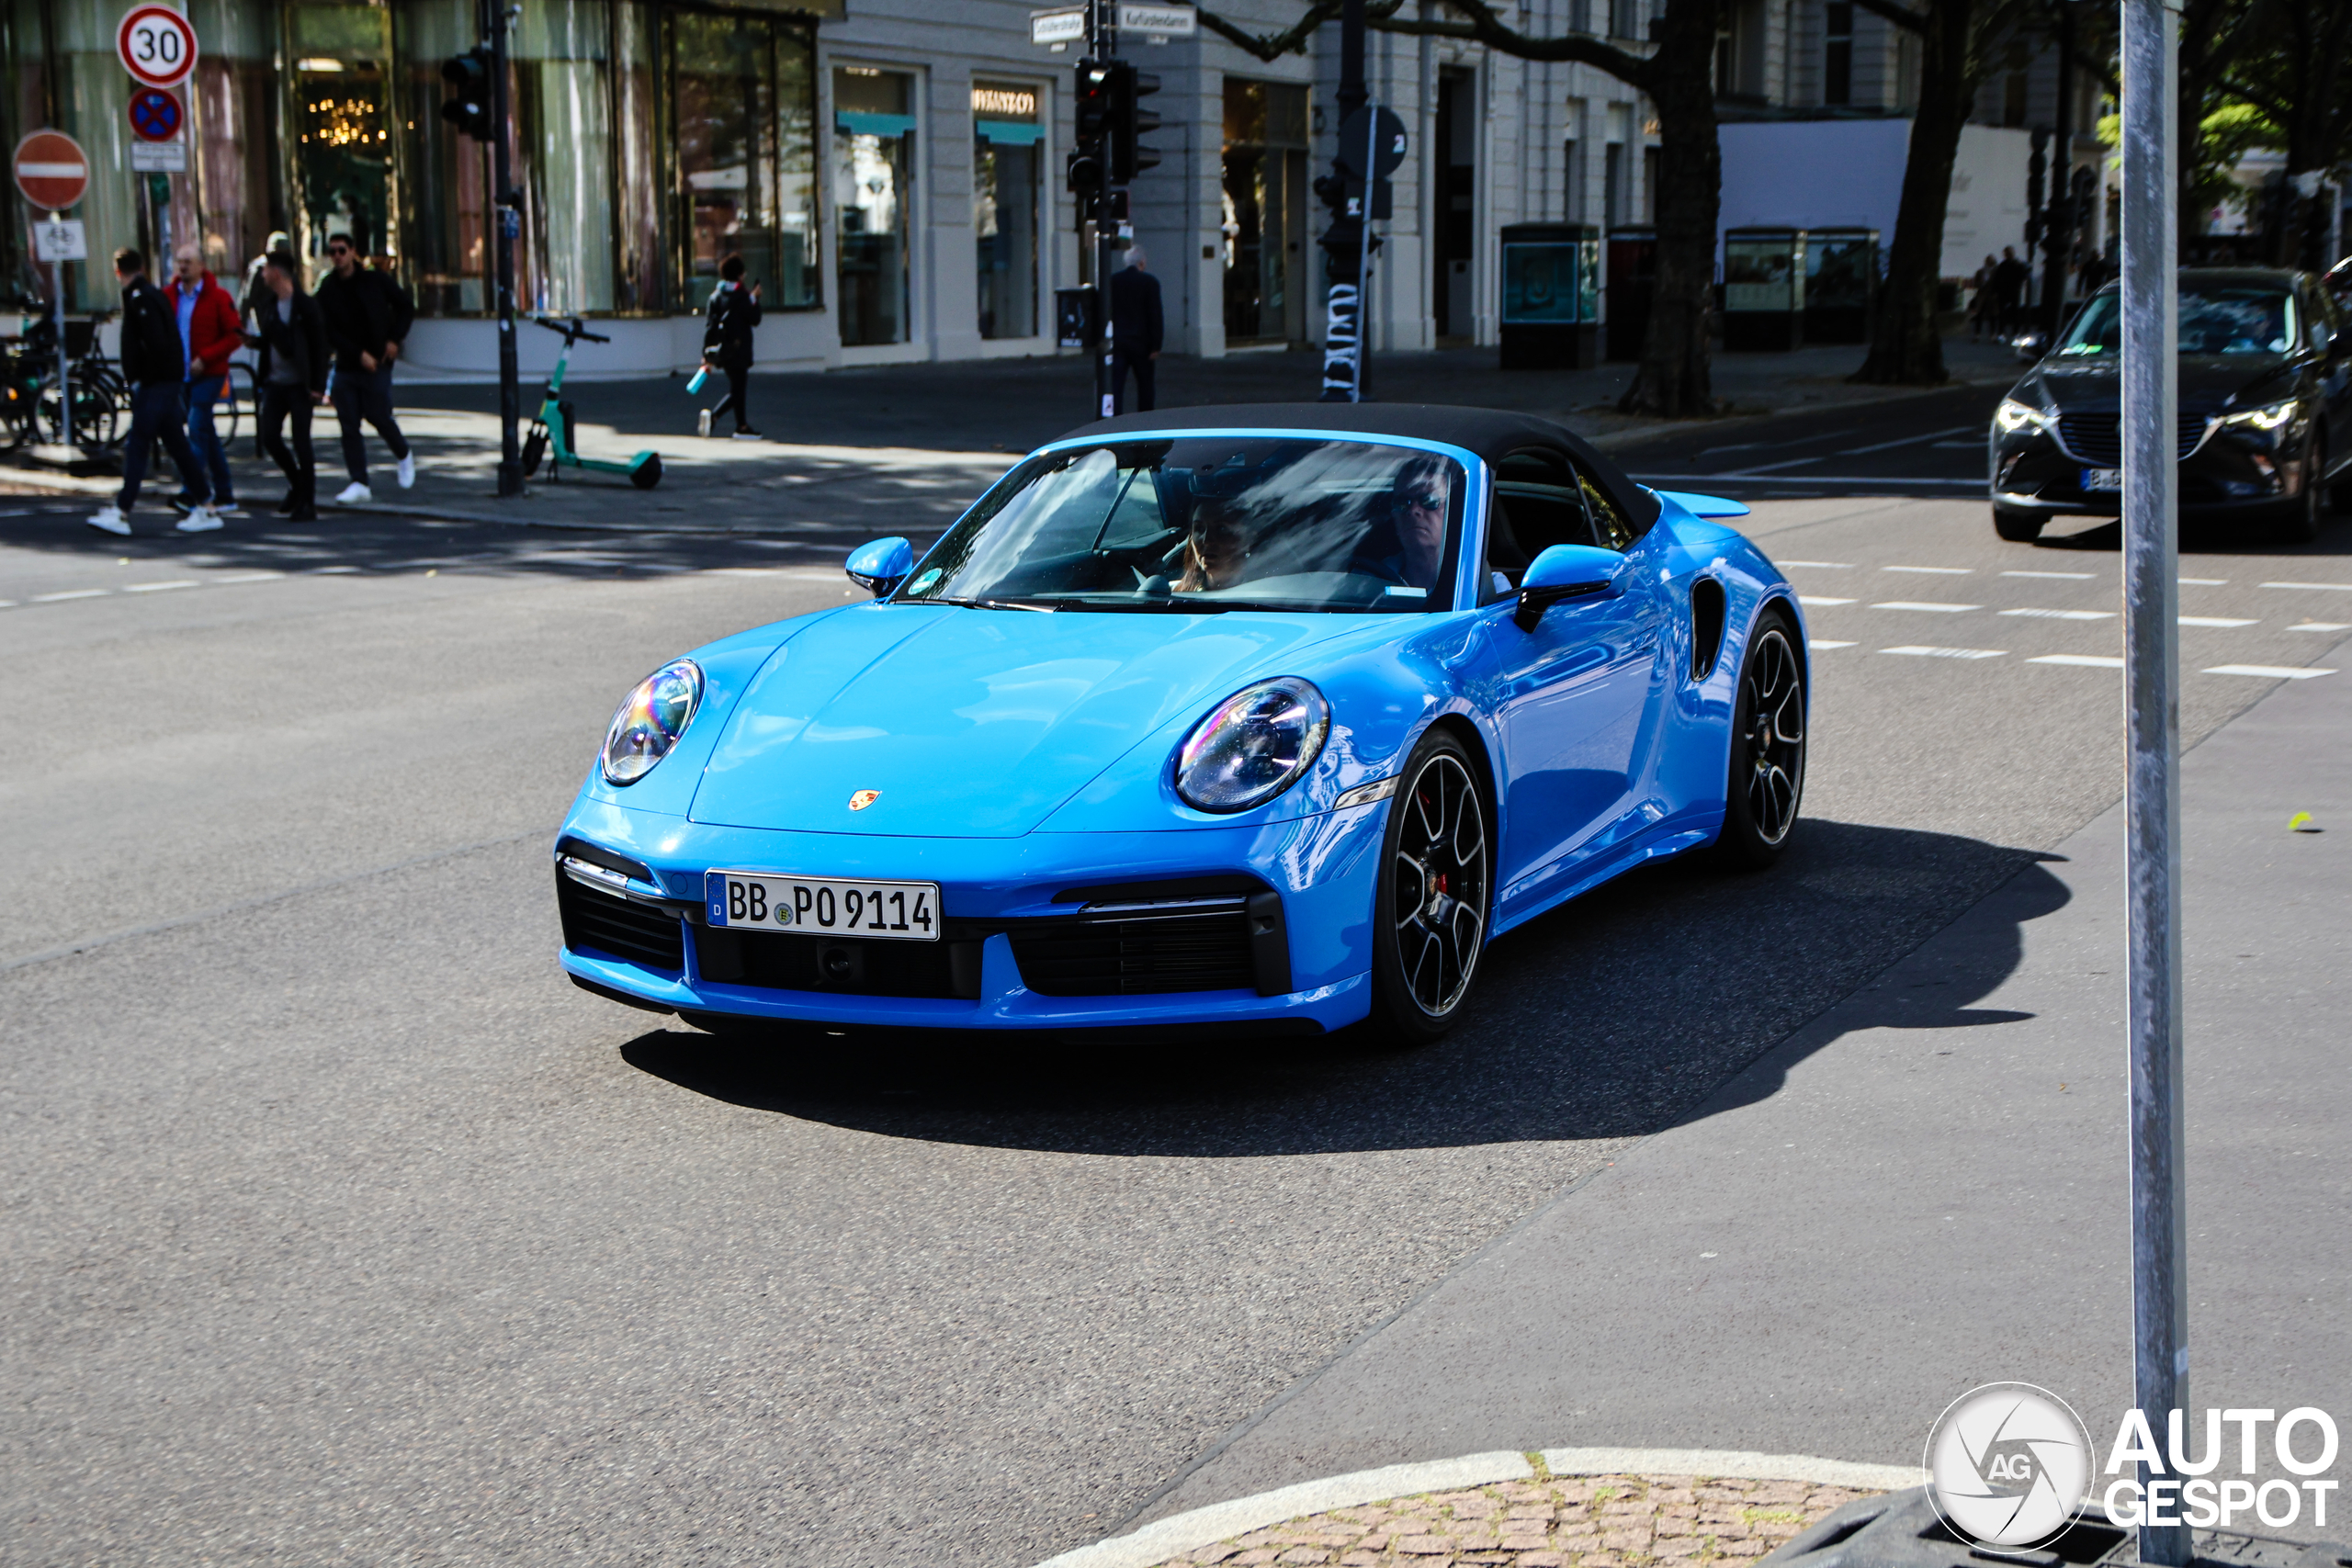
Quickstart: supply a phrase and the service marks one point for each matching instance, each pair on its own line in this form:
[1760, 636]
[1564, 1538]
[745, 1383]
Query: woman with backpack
[727, 345]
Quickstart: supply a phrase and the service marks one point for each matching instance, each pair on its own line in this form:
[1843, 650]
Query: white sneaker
[702, 423]
[109, 520]
[199, 520]
[408, 470]
[356, 491]
[231, 510]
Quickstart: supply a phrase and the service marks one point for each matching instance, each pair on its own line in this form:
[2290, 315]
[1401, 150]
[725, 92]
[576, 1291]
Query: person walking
[210, 331]
[367, 315]
[155, 364]
[2009, 288]
[1982, 300]
[1135, 330]
[292, 336]
[256, 286]
[727, 343]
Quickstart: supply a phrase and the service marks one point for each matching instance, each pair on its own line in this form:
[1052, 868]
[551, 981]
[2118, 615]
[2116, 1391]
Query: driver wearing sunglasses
[1411, 545]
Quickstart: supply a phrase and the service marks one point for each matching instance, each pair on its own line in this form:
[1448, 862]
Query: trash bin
[1763, 290]
[1551, 296]
[1632, 279]
[1840, 283]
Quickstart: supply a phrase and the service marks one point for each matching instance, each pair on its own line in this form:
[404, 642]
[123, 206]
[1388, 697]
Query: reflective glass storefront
[1265, 211]
[874, 150]
[1006, 146]
[651, 139]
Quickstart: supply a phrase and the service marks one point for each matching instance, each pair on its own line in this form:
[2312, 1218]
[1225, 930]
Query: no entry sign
[157, 46]
[50, 170]
[156, 114]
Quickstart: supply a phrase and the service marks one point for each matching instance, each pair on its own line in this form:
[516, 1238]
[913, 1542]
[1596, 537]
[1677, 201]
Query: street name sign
[1057, 27]
[156, 45]
[1161, 21]
[51, 171]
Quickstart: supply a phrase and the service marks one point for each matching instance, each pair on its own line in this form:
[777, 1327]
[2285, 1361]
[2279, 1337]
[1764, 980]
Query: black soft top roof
[1492, 434]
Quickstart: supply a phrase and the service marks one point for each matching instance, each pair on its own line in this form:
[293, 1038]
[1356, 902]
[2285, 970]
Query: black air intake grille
[1195, 946]
[860, 967]
[2098, 438]
[607, 923]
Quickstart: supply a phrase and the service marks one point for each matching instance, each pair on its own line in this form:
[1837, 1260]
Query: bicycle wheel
[96, 413]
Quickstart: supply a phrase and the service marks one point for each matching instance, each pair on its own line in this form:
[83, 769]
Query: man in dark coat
[367, 315]
[1136, 330]
[292, 338]
[2009, 280]
[156, 364]
[727, 344]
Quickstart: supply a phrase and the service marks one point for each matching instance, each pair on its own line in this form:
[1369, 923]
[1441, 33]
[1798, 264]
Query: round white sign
[157, 45]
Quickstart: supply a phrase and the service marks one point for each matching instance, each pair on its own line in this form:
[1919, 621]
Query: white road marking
[2064, 615]
[332, 571]
[248, 577]
[7, 604]
[2316, 587]
[1820, 599]
[161, 587]
[2206, 581]
[1775, 468]
[1909, 441]
[2215, 621]
[2069, 576]
[743, 571]
[1825, 642]
[71, 594]
[2087, 660]
[2268, 671]
[1757, 475]
[1933, 570]
[1941, 609]
[1824, 564]
[1947, 652]
[2321, 626]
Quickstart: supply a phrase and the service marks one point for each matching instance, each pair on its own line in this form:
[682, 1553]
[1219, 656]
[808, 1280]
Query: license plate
[759, 900]
[2102, 478]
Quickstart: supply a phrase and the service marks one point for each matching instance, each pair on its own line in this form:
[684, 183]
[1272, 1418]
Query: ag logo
[863, 798]
[2006, 1464]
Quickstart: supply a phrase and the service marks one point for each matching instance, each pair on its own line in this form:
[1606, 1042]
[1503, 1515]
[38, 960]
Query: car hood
[970, 722]
[2206, 381]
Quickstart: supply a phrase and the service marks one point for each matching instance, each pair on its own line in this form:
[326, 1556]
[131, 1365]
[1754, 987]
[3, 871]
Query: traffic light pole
[508, 206]
[1347, 244]
[1103, 45]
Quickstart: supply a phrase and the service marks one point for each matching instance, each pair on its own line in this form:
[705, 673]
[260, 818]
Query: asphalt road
[339, 1228]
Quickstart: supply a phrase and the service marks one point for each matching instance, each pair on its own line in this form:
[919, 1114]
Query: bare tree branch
[1902, 15]
[1483, 26]
[1271, 47]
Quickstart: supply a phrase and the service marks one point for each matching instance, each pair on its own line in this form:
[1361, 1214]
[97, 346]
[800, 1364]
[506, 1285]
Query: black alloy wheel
[1767, 749]
[2300, 525]
[2016, 525]
[1430, 922]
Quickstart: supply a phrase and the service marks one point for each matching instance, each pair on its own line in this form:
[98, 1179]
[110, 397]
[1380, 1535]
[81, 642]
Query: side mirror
[2031, 346]
[1564, 572]
[881, 566]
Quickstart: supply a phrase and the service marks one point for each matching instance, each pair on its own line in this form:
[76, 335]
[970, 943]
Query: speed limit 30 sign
[157, 45]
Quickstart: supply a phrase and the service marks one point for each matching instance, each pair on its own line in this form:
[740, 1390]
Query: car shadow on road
[1610, 1018]
[2200, 537]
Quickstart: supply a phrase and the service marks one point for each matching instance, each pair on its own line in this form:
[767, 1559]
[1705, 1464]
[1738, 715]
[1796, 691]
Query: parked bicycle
[100, 397]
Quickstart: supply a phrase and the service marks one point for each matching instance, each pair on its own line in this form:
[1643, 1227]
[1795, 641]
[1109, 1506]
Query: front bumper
[2222, 475]
[1272, 923]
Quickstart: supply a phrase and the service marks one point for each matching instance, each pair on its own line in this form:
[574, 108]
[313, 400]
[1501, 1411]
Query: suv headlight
[1252, 746]
[2267, 420]
[2013, 416]
[651, 720]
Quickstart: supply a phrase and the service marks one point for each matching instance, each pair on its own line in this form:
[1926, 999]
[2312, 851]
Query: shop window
[1007, 148]
[563, 125]
[342, 125]
[1265, 211]
[444, 228]
[874, 136]
[742, 120]
[1837, 52]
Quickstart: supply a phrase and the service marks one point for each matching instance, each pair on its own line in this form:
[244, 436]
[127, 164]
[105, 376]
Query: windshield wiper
[984, 603]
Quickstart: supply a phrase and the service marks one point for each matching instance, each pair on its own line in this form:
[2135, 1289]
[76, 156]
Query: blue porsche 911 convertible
[1267, 717]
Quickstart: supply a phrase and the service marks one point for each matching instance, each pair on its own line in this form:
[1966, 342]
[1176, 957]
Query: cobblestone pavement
[1606, 1521]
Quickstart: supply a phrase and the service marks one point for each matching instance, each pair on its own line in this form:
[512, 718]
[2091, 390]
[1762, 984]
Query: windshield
[2218, 321]
[1196, 524]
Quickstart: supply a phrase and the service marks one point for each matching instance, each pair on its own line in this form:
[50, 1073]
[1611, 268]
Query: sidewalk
[1924, 1189]
[904, 448]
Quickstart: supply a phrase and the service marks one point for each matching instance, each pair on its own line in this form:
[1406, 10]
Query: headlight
[1253, 746]
[2013, 416]
[651, 721]
[2266, 419]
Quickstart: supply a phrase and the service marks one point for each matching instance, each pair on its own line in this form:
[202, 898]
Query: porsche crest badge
[863, 798]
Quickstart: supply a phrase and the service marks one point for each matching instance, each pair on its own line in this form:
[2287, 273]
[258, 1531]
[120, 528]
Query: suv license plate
[758, 900]
[2102, 478]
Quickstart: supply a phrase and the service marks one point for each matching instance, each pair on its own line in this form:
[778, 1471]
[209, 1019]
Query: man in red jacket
[210, 333]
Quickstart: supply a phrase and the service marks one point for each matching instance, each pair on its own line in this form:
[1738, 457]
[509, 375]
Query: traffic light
[1090, 157]
[468, 108]
[1130, 119]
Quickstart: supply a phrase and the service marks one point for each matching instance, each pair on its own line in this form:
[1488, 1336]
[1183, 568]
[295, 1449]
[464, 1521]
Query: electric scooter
[553, 429]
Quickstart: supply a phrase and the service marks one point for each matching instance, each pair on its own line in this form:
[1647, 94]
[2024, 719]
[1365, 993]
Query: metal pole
[2151, 727]
[2059, 251]
[1343, 247]
[1101, 45]
[64, 366]
[1357, 393]
[510, 212]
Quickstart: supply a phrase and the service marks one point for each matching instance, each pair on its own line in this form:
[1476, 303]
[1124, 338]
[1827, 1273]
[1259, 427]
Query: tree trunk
[1673, 380]
[1907, 345]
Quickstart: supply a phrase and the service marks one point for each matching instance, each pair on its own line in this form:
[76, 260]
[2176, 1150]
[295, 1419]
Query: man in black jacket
[367, 315]
[293, 343]
[1135, 328]
[156, 364]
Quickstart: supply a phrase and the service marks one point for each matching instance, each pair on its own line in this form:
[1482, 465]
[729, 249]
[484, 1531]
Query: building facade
[890, 170]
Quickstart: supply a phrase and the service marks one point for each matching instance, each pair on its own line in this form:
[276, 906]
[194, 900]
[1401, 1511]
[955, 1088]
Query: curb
[1163, 1539]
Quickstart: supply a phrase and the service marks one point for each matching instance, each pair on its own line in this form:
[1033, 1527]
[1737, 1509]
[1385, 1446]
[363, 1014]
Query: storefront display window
[445, 228]
[234, 107]
[742, 118]
[564, 124]
[1265, 211]
[342, 125]
[873, 135]
[1006, 138]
